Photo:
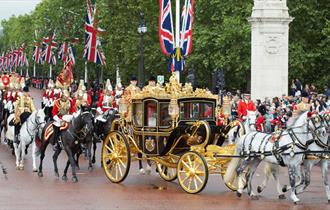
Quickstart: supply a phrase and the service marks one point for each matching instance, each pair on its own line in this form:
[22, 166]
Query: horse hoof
[57, 175]
[329, 201]
[238, 194]
[93, 161]
[90, 168]
[17, 168]
[284, 188]
[281, 197]
[74, 179]
[35, 170]
[259, 189]
[64, 178]
[40, 174]
[254, 197]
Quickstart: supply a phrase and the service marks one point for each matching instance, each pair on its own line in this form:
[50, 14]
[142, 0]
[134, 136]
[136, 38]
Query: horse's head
[40, 118]
[250, 121]
[316, 126]
[87, 120]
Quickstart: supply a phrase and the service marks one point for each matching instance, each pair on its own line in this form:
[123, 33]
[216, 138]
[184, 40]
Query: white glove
[75, 114]
[99, 110]
[56, 118]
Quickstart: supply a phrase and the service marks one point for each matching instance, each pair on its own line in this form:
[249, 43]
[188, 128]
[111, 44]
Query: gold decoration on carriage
[150, 144]
[173, 90]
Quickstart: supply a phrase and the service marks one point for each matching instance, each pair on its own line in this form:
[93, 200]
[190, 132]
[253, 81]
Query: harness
[83, 131]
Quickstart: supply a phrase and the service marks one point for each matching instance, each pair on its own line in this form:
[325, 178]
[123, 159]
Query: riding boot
[55, 140]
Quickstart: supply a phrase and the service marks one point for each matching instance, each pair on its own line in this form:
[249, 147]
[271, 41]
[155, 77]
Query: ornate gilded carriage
[173, 126]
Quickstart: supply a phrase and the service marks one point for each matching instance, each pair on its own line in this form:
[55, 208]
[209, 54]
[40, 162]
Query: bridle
[84, 131]
[36, 122]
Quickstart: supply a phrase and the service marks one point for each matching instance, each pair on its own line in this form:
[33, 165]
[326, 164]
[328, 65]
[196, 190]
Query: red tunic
[260, 122]
[5, 80]
[242, 108]
[100, 104]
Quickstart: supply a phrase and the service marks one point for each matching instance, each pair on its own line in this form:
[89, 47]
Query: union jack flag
[36, 57]
[92, 51]
[187, 20]
[166, 36]
[48, 45]
[23, 60]
[72, 55]
[63, 53]
[2, 61]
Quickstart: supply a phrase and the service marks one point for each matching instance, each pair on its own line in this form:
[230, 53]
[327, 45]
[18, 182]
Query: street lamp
[142, 29]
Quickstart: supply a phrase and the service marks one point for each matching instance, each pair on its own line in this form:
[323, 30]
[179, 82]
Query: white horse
[272, 170]
[241, 129]
[256, 146]
[27, 136]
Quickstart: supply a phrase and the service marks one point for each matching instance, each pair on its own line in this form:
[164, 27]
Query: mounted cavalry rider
[107, 102]
[62, 112]
[82, 99]
[23, 108]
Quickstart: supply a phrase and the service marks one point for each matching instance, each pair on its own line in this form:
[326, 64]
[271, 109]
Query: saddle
[49, 130]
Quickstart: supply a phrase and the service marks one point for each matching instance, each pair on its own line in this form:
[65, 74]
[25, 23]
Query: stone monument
[269, 49]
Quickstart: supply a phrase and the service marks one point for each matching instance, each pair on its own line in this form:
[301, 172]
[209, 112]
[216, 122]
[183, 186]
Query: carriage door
[150, 131]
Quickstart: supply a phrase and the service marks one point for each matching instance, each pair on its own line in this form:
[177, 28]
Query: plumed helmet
[262, 109]
[108, 85]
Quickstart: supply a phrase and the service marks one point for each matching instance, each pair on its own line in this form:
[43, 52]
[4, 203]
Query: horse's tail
[231, 169]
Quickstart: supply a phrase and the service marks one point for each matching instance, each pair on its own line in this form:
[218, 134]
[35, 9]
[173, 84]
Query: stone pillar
[269, 49]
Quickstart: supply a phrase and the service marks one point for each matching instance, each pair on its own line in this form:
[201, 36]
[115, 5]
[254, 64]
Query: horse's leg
[94, 151]
[42, 156]
[64, 177]
[141, 169]
[267, 171]
[292, 178]
[89, 154]
[252, 169]
[72, 163]
[17, 154]
[324, 168]
[77, 158]
[55, 156]
[275, 173]
[239, 171]
[34, 156]
[22, 153]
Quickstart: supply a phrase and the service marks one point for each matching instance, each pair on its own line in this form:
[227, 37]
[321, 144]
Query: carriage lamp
[122, 106]
[173, 109]
[226, 107]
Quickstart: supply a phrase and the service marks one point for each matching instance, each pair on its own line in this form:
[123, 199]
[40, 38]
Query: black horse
[102, 129]
[79, 132]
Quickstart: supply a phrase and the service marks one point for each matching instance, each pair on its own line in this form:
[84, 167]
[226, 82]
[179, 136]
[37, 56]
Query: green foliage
[221, 38]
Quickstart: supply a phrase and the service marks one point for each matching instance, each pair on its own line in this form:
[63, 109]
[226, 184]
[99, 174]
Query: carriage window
[150, 116]
[137, 114]
[165, 118]
[196, 110]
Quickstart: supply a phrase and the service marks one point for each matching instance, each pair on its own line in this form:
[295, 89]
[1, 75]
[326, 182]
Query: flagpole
[86, 71]
[177, 34]
[50, 71]
[34, 69]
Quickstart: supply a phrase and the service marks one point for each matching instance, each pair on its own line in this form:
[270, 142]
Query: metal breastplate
[64, 107]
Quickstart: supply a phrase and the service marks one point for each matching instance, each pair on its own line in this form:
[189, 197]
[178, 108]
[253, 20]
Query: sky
[16, 7]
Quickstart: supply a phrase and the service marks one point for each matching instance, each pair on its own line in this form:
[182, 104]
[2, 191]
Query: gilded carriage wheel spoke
[192, 178]
[116, 150]
[190, 182]
[195, 183]
[199, 179]
[106, 146]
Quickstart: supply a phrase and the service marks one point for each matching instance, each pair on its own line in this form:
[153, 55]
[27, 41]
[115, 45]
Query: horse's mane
[293, 120]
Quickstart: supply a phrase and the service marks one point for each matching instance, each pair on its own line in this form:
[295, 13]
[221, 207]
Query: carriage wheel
[192, 172]
[167, 173]
[233, 183]
[116, 157]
